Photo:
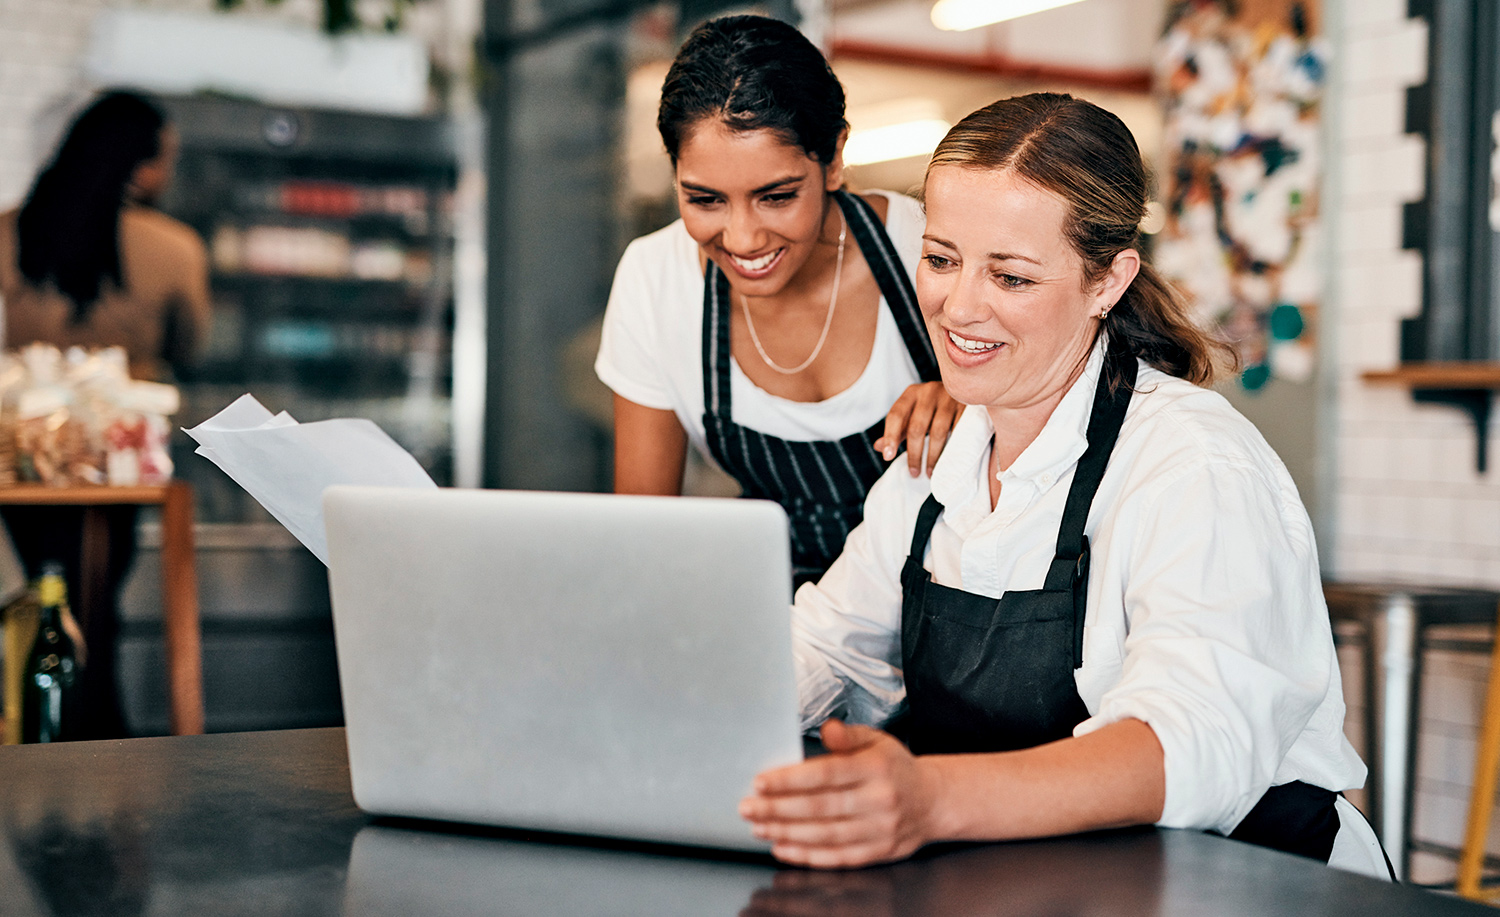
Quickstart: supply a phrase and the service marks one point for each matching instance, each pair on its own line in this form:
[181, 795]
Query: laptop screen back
[583, 663]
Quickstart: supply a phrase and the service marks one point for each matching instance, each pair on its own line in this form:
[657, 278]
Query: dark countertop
[263, 823]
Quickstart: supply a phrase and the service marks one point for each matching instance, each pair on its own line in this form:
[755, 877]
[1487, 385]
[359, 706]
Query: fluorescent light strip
[894, 141]
[958, 15]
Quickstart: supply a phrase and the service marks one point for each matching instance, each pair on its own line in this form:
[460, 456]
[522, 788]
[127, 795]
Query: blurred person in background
[774, 326]
[87, 260]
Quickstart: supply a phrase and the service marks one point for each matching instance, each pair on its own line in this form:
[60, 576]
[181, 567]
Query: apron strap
[926, 519]
[1070, 565]
[1104, 428]
[716, 355]
[900, 296]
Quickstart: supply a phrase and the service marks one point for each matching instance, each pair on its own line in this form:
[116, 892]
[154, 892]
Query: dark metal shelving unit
[316, 343]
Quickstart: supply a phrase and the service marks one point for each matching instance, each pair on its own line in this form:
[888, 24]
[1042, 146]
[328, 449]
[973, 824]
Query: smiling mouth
[755, 265]
[968, 346]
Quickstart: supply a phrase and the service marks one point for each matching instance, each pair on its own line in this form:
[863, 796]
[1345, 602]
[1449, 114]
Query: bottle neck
[51, 616]
[51, 591]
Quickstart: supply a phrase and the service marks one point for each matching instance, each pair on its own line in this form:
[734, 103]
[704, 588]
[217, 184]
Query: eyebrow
[992, 256]
[768, 186]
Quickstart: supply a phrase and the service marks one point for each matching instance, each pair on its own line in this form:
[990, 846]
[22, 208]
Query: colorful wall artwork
[1242, 84]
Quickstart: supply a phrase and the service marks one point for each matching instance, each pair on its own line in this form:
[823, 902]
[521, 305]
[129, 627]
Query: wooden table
[264, 823]
[180, 626]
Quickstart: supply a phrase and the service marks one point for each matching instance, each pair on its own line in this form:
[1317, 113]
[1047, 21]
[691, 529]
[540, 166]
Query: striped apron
[822, 483]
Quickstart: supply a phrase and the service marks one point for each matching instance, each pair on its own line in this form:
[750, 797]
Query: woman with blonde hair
[1104, 606]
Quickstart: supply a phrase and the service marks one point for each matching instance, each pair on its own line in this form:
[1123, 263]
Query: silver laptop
[581, 663]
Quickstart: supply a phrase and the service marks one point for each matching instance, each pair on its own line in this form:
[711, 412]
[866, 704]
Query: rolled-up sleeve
[630, 360]
[846, 641]
[1228, 652]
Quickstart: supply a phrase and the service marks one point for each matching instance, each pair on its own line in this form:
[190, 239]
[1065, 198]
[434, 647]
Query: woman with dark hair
[774, 326]
[1103, 608]
[87, 261]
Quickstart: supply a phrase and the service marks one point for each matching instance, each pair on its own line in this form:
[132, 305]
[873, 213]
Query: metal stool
[1394, 618]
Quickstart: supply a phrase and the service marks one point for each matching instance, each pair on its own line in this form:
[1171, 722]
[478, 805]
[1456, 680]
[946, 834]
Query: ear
[1117, 280]
[833, 173]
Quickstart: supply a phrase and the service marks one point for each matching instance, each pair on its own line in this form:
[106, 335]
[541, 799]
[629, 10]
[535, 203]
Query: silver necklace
[838, 270]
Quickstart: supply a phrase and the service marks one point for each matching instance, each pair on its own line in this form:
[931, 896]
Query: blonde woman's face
[1002, 289]
[753, 202]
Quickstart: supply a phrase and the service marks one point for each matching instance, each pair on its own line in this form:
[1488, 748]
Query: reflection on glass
[401, 871]
[1110, 873]
[77, 868]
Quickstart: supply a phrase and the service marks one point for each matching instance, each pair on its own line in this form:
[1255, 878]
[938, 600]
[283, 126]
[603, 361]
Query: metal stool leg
[1394, 635]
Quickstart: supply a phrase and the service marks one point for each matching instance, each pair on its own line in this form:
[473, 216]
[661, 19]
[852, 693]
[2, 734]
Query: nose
[965, 301]
[742, 231]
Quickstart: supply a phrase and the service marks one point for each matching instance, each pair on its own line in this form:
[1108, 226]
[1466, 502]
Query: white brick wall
[1383, 49]
[1408, 502]
[1407, 496]
[40, 45]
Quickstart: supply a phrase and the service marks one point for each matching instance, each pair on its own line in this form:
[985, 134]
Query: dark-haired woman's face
[152, 176]
[754, 202]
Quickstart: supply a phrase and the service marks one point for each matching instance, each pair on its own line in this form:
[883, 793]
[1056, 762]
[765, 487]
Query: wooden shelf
[1468, 386]
[1452, 375]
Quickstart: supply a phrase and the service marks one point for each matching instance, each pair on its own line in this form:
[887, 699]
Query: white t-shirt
[1205, 613]
[651, 351]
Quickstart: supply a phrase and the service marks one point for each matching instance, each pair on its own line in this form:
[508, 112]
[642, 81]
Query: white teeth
[971, 346]
[758, 263]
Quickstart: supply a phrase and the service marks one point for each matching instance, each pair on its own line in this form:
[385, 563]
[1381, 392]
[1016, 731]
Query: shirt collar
[1059, 445]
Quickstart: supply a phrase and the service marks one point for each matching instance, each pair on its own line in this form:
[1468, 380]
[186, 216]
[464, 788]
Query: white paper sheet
[286, 465]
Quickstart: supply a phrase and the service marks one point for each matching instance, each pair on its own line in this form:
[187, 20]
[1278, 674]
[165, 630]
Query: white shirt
[1205, 612]
[651, 351]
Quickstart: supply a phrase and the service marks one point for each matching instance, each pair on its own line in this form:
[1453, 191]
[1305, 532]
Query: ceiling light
[894, 141]
[958, 15]
[894, 130]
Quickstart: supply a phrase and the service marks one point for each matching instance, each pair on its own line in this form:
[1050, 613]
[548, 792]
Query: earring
[1104, 313]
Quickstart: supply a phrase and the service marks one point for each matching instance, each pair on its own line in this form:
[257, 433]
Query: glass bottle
[51, 666]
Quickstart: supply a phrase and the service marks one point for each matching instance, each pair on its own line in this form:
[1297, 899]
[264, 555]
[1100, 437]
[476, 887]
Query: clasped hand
[869, 800]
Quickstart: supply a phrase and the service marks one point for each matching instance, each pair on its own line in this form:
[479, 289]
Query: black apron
[821, 484]
[985, 674]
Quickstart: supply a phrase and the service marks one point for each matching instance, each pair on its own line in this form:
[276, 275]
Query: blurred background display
[331, 244]
[330, 241]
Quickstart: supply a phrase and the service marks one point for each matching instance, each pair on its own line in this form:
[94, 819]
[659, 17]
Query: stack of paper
[287, 465]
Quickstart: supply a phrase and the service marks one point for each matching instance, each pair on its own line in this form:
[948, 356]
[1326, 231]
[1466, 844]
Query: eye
[702, 200]
[936, 262]
[780, 197]
[1011, 281]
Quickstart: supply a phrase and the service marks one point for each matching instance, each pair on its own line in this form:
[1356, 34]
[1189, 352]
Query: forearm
[1110, 778]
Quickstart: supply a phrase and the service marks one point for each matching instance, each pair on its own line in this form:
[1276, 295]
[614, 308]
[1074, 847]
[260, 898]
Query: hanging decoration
[1242, 85]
